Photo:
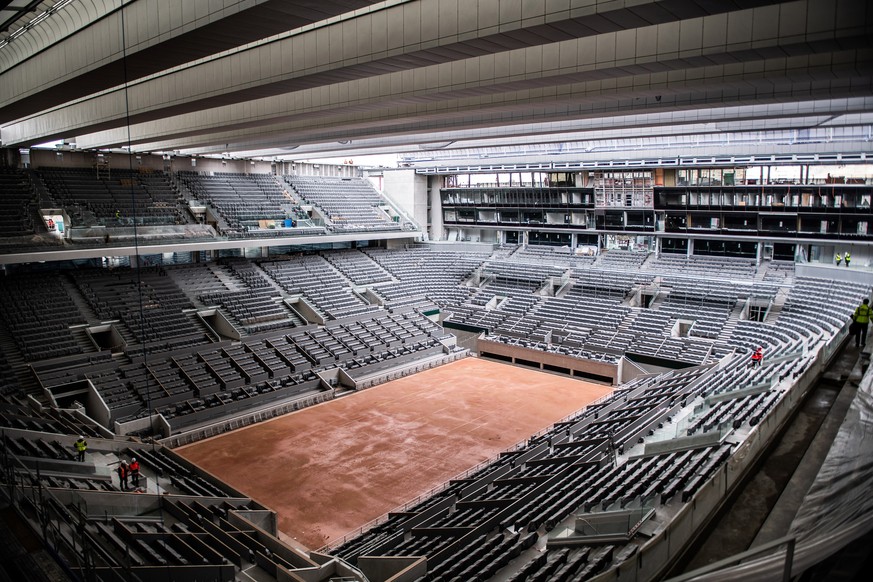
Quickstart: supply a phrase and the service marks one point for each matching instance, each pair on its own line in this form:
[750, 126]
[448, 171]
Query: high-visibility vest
[81, 446]
[848, 257]
[839, 258]
[862, 313]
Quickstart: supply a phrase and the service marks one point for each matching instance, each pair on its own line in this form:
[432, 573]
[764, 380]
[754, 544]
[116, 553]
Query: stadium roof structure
[300, 79]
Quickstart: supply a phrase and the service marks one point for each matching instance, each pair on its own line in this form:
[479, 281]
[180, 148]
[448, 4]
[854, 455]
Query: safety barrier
[665, 547]
[243, 420]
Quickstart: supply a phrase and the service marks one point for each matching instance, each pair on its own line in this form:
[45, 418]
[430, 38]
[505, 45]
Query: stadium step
[281, 292]
[81, 303]
[662, 296]
[125, 332]
[774, 312]
[649, 259]
[627, 321]
[227, 280]
[83, 340]
[733, 319]
[761, 270]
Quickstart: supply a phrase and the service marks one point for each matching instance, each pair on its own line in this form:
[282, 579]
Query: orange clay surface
[331, 468]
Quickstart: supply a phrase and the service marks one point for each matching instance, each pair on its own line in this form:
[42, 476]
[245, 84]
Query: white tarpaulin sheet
[842, 494]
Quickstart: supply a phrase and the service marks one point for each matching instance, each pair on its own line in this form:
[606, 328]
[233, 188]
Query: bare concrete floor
[330, 469]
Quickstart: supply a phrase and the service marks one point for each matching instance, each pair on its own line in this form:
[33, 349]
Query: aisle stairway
[79, 300]
[733, 319]
[761, 270]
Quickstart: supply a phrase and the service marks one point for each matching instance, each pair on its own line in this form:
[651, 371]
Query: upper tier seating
[17, 204]
[147, 302]
[350, 204]
[560, 256]
[123, 197]
[37, 311]
[245, 200]
[424, 276]
[324, 287]
[624, 260]
[726, 267]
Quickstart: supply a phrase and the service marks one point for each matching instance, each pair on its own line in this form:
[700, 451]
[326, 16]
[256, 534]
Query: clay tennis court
[331, 468]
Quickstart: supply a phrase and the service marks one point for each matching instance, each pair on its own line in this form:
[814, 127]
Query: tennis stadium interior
[199, 233]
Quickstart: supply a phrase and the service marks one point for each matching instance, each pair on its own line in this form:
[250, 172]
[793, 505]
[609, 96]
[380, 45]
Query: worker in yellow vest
[848, 258]
[81, 446]
[860, 321]
[838, 259]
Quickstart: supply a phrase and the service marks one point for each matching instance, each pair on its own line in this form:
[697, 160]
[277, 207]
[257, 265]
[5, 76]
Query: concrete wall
[578, 367]
[435, 227]
[409, 191]
[822, 271]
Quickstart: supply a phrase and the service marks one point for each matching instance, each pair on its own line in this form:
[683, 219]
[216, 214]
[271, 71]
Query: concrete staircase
[774, 312]
[228, 280]
[81, 303]
[271, 281]
[656, 303]
[762, 270]
[83, 340]
[731, 323]
[647, 263]
[778, 304]
[627, 321]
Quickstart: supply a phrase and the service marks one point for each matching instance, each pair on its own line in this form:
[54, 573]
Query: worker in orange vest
[123, 471]
[134, 472]
[757, 356]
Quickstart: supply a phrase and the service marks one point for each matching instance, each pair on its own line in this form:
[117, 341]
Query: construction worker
[81, 446]
[848, 258]
[123, 471]
[861, 320]
[758, 356]
[134, 472]
[839, 259]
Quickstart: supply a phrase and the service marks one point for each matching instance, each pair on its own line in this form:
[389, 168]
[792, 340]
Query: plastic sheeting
[841, 494]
